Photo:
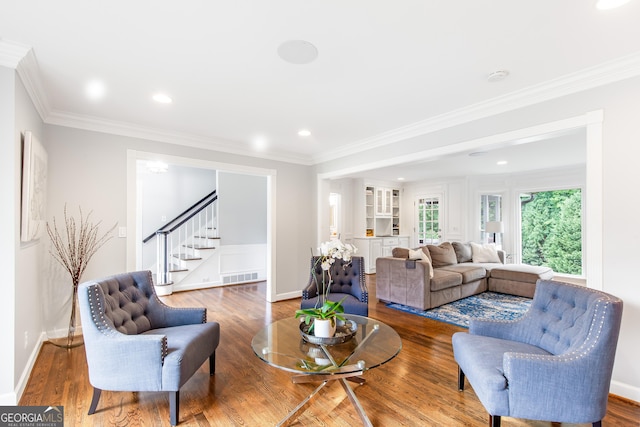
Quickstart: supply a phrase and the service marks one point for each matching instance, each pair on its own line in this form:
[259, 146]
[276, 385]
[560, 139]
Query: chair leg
[212, 363]
[174, 406]
[94, 400]
[494, 420]
[597, 424]
[460, 379]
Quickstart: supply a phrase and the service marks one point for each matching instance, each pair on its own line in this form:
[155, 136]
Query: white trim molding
[11, 53]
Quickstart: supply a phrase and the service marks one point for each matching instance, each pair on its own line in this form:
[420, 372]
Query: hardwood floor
[417, 388]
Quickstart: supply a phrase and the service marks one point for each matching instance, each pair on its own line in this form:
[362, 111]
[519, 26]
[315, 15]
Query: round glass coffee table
[281, 344]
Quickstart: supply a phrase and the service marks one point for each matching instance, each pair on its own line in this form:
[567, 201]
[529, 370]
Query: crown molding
[609, 72]
[29, 73]
[22, 58]
[11, 53]
[113, 127]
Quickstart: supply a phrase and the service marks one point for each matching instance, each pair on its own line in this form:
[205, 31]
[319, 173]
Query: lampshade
[494, 227]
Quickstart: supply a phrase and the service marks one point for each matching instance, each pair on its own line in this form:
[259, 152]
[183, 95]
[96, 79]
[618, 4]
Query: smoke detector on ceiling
[298, 52]
[497, 76]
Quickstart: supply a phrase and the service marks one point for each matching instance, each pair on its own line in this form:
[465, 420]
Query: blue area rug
[487, 305]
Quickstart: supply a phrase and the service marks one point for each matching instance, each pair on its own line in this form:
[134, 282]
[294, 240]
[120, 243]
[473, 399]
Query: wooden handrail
[186, 211]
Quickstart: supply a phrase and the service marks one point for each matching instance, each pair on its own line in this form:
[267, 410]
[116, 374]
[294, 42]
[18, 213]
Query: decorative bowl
[344, 332]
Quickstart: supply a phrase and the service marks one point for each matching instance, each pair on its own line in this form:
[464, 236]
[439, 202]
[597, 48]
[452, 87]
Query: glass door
[428, 214]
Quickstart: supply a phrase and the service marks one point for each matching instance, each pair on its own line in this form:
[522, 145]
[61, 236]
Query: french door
[428, 228]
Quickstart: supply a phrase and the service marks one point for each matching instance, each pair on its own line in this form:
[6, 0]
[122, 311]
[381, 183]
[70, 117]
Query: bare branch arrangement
[73, 247]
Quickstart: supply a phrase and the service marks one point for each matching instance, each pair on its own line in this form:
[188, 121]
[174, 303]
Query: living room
[89, 167]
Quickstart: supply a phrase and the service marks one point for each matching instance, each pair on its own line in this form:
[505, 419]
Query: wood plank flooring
[417, 388]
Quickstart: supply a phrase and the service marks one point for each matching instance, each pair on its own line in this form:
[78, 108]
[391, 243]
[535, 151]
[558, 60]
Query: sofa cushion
[522, 273]
[463, 251]
[420, 255]
[470, 273]
[484, 253]
[442, 255]
[400, 253]
[443, 279]
[404, 252]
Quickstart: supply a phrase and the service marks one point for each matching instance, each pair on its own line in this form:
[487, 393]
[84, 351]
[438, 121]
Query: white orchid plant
[329, 252]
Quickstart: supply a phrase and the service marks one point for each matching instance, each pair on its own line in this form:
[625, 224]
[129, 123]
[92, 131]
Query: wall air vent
[239, 278]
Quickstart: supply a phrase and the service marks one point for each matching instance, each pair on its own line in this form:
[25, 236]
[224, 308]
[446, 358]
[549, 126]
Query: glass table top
[280, 344]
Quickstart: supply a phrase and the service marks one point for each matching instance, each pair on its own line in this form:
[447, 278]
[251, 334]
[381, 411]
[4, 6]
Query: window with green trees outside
[552, 230]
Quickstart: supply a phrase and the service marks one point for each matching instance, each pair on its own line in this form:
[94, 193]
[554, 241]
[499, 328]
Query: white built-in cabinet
[372, 248]
[382, 225]
[383, 201]
[382, 211]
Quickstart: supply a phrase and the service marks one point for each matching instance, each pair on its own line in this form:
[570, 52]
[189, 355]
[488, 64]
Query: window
[428, 226]
[552, 230]
[490, 210]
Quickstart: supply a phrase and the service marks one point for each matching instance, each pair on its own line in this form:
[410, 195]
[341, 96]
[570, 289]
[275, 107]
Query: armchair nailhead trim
[365, 292]
[97, 311]
[593, 336]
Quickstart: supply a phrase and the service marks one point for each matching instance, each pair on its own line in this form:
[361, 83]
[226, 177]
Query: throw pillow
[463, 251]
[400, 253]
[484, 253]
[419, 255]
[442, 255]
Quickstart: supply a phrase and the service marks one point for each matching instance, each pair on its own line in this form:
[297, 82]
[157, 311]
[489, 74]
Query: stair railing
[181, 234]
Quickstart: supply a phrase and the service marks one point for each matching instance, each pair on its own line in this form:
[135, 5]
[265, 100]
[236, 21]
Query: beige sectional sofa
[430, 276]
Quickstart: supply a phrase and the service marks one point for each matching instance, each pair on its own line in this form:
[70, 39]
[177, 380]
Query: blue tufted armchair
[553, 364]
[134, 342]
[346, 280]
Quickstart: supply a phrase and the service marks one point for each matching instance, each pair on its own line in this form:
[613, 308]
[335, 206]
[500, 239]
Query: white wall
[347, 190]
[101, 160]
[22, 301]
[32, 254]
[9, 232]
[167, 195]
[242, 209]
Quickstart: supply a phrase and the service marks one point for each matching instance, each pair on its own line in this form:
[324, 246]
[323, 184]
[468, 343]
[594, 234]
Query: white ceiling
[381, 65]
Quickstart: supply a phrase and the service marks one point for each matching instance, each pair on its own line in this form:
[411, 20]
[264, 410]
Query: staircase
[184, 244]
[185, 262]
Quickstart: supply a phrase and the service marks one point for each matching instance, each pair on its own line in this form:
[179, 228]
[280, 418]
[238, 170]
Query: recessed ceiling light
[497, 76]
[610, 4]
[157, 167]
[96, 89]
[260, 143]
[502, 163]
[162, 98]
[304, 132]
[400, 178]
[298, 52]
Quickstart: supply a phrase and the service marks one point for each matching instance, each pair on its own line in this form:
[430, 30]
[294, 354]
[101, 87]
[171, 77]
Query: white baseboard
[288, 295]
[8, 399]
[12, 399]
[195, 286]
[625, 390]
